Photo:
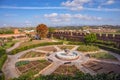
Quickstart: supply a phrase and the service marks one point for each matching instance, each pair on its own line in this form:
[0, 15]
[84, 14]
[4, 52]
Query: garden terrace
[33, 66]
[102, 67]
[32, 54]
[66, 70]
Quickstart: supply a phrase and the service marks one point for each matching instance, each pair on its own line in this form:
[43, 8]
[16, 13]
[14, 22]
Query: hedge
[107, 43]
[2, 60]
[78, 76]
[33, 46]
[2, 51]
[109, 48]
[3, 57]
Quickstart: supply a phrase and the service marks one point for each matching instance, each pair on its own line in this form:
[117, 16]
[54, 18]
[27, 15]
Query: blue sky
[22, 13]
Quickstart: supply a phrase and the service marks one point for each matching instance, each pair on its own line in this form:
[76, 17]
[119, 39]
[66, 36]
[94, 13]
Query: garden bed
[33, 66]
[32, 54]
[66, 70]
[101, 67]
[88, 48]
[103, 55]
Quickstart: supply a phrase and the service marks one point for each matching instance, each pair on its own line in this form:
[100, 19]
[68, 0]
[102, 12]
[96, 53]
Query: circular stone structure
[67, 55]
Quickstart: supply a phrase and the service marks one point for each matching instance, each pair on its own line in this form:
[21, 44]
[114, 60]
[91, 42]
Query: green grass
[2, 60]
[87, 48]
[9, 44]
[21, 63]
[102, 55]
[42, 61]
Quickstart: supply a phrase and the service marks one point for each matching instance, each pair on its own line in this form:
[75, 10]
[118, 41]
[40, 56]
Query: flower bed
[33, 66]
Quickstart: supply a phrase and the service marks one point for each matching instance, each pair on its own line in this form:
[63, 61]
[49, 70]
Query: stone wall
[78, 36]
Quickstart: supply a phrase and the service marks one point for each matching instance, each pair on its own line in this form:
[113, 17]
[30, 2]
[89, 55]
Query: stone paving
[10, 70]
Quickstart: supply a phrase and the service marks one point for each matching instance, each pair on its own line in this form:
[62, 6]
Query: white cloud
[68, 17]
[110, 2]
[75, 4]
[86, 17]
[27, 22]
[107, 2]
[51, 15]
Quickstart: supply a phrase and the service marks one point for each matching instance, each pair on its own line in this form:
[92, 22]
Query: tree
[51, 29]
[90, 38]
[42, 30]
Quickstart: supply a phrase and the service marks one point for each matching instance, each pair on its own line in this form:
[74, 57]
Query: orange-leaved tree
[42, 30]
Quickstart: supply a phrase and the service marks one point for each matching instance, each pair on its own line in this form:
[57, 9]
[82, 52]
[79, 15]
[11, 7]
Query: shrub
[78, 76]
[90, 38]
[87, 48]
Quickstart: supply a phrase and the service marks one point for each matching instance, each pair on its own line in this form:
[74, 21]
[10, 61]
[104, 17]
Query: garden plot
[66, 70]
[102, 55]
[88, 48]
[32, 66]
[101, 67]
[32, 54]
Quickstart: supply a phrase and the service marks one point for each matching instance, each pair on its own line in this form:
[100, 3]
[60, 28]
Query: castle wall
[78, 36]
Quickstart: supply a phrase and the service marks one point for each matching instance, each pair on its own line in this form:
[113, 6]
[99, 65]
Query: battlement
[79, 36]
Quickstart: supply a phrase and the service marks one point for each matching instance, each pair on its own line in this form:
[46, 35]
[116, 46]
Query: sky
[25, 13]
